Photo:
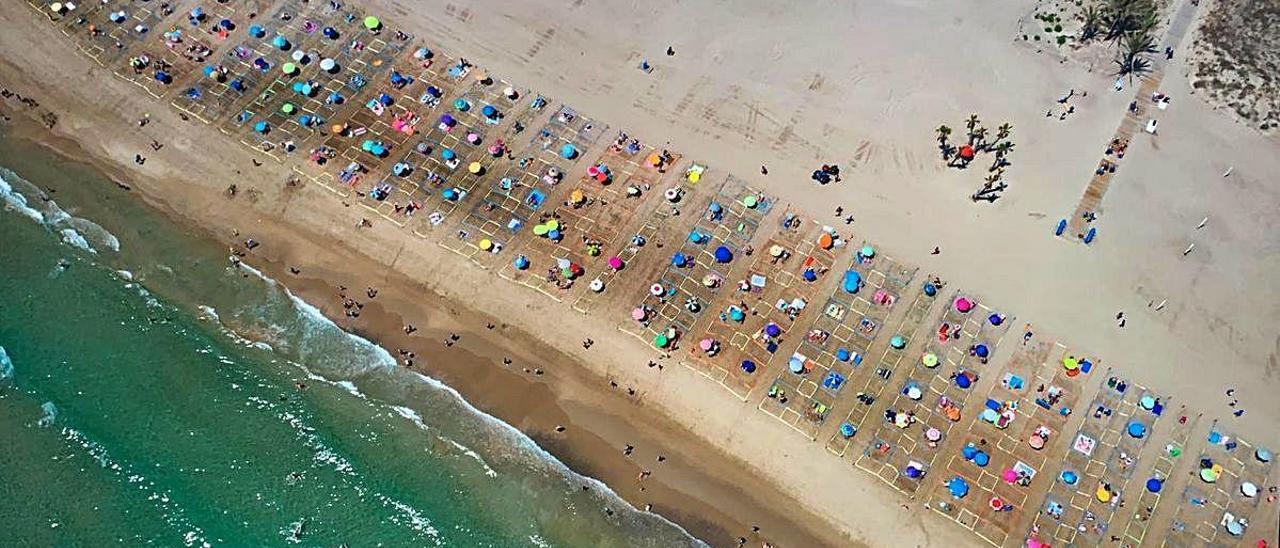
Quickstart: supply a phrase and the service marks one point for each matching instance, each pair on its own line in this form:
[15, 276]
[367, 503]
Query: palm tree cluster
[1128, 24]
[976, 138]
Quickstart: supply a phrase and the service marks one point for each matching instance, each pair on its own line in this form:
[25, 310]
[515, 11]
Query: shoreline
[693, 488]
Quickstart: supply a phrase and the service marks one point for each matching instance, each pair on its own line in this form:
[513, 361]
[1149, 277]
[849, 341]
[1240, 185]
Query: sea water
[149, 395]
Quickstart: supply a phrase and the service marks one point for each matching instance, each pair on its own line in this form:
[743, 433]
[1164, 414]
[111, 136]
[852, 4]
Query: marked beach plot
[1087, 492]
[1153, 485]
[1012, 440]
[1226, 494]
[108, 34]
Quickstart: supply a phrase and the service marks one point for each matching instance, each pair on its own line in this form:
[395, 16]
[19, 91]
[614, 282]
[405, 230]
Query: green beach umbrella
[749, 201]
[660, 341]
[289, 68]
[372, 23]
[930, 360]
[868, 251]
[287, 108]
[553, 224]
[540, 230]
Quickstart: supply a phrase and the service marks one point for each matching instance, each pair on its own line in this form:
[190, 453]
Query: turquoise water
[148, 396]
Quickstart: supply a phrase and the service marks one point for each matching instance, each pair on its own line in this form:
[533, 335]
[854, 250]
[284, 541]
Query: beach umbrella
[867, 251]
[1070, 363]
[638, 314]
[328, 65]
[1036, 442]
[300, 56]
[929, 360]
[1249, 489]
[958, 487]
[723, 255]
[1068, 477]
[898, 341]
[656, 290]
[261, 127]
[385, 99]
[995, 319]
[372, 23]
[981, 350]
[475, 168]
[540, 230]
[163, 77]
[847, 430]
[366, 146]
[1009, 475]
[489, 111]
[736, 314]
[679, 260]
[330, 33]
[1155, 485]
[661, 341]
[449, 194]
[930, 289]
[852, 281]
[933, 434]
[554, 235]
[486, 244]
[696, 237]
[1137, 429]
[809, 275]
[706, 344]
[963, 381]
[1208, 475]
[289, 68]
[914, 392]
[462, 105]
[1262, 454]
[715, 208]
[422, 54]
[400, 169]
[966, 152]
[796, 364]
[615, 263]
[748, 366]
[568, 151]
[280, 42]
[227, 25]
[596, 285]
[1102, 494]
[982, 459]
[772, 330]
[1147, 402]
[750, 201]
[257, 31]
[521, 262]
[825, 241]
[963, 304]
[842, 354]
[237, 85]
[448, 154]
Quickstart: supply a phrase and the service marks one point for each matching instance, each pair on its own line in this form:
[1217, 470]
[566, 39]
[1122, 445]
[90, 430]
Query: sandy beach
[840, 88]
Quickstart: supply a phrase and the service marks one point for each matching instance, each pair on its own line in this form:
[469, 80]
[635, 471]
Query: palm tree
[1002, 150]
[1092, 23]
[943, 133]
[1004, 131]
[992, 179]
[971, 122]
[976, 137]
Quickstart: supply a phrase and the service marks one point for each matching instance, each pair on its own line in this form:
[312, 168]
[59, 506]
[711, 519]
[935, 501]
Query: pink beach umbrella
[615, 262]
[638, 314]
[1009, 476]
[706, 344]
[963, 304]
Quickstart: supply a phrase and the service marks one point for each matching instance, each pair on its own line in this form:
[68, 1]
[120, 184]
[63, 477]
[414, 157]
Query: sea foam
[74, 231]
[6, 365]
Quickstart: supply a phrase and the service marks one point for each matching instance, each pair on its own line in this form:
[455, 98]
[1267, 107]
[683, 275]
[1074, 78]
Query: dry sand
[789, 86]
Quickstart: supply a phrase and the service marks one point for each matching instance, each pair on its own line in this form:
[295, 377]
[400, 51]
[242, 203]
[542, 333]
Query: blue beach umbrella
[723, 255]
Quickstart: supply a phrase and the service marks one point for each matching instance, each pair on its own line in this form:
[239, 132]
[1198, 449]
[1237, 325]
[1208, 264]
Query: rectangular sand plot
[1137, 522]
[158, 68]
[1209, 511]
[107, 35]
[871, 378]
[1026, 404]
[1101, 460]
[567, 131]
